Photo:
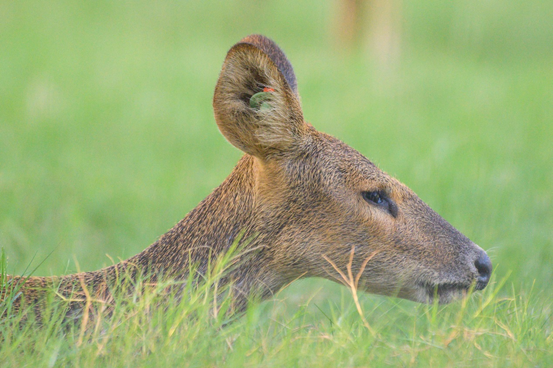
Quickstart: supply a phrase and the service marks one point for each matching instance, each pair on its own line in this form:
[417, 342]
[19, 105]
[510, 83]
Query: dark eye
[381, 200]
[374, 197]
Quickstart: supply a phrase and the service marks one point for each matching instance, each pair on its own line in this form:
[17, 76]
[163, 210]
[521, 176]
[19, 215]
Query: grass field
[107, 139]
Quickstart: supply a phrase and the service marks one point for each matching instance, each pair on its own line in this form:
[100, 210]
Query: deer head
[323, 205]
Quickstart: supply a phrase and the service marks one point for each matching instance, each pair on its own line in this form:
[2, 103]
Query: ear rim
[277, 56]
[244, 127]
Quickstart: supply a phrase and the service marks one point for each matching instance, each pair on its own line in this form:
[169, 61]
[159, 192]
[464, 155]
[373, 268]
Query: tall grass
[187, 324]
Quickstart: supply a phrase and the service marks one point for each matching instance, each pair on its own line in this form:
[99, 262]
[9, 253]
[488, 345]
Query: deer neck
[210, 228]
[229, 213]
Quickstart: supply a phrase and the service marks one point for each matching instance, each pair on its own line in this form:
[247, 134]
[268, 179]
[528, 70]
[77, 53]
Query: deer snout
[483, 266]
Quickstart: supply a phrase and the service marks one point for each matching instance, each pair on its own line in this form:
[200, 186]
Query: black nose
[484, 267]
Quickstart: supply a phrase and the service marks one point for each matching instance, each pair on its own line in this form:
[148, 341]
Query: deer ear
[256, 103]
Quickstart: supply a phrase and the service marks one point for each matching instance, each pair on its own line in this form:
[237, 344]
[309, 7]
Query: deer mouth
[446, 292]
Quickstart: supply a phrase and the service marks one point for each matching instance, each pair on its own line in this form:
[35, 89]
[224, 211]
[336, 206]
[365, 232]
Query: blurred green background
[107, 136]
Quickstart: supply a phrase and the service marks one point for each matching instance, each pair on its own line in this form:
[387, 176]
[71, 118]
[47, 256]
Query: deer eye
[374, 197]
[381, 200]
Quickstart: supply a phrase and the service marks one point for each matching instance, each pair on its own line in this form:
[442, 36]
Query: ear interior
[256, 104]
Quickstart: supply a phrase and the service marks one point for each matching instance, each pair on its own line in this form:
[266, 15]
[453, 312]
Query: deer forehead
[324, 162]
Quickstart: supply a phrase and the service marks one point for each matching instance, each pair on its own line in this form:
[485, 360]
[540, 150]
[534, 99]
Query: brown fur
[297, 193]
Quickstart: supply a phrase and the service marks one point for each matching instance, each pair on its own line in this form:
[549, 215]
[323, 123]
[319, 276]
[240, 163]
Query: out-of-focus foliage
[107, 139]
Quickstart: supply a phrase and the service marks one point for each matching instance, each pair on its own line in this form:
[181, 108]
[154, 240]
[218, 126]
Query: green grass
[151, 328]
[107, 139]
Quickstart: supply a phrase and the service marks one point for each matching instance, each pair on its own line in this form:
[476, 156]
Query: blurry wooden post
[348, 22]
[374, 25]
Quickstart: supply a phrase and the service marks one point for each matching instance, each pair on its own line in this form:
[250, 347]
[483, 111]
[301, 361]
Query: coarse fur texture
[300, 198]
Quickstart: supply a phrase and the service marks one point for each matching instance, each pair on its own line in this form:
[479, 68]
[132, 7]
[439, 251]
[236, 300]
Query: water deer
[305, 201]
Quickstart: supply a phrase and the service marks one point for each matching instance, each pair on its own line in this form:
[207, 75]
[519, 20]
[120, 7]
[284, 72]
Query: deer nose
[484, 267]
